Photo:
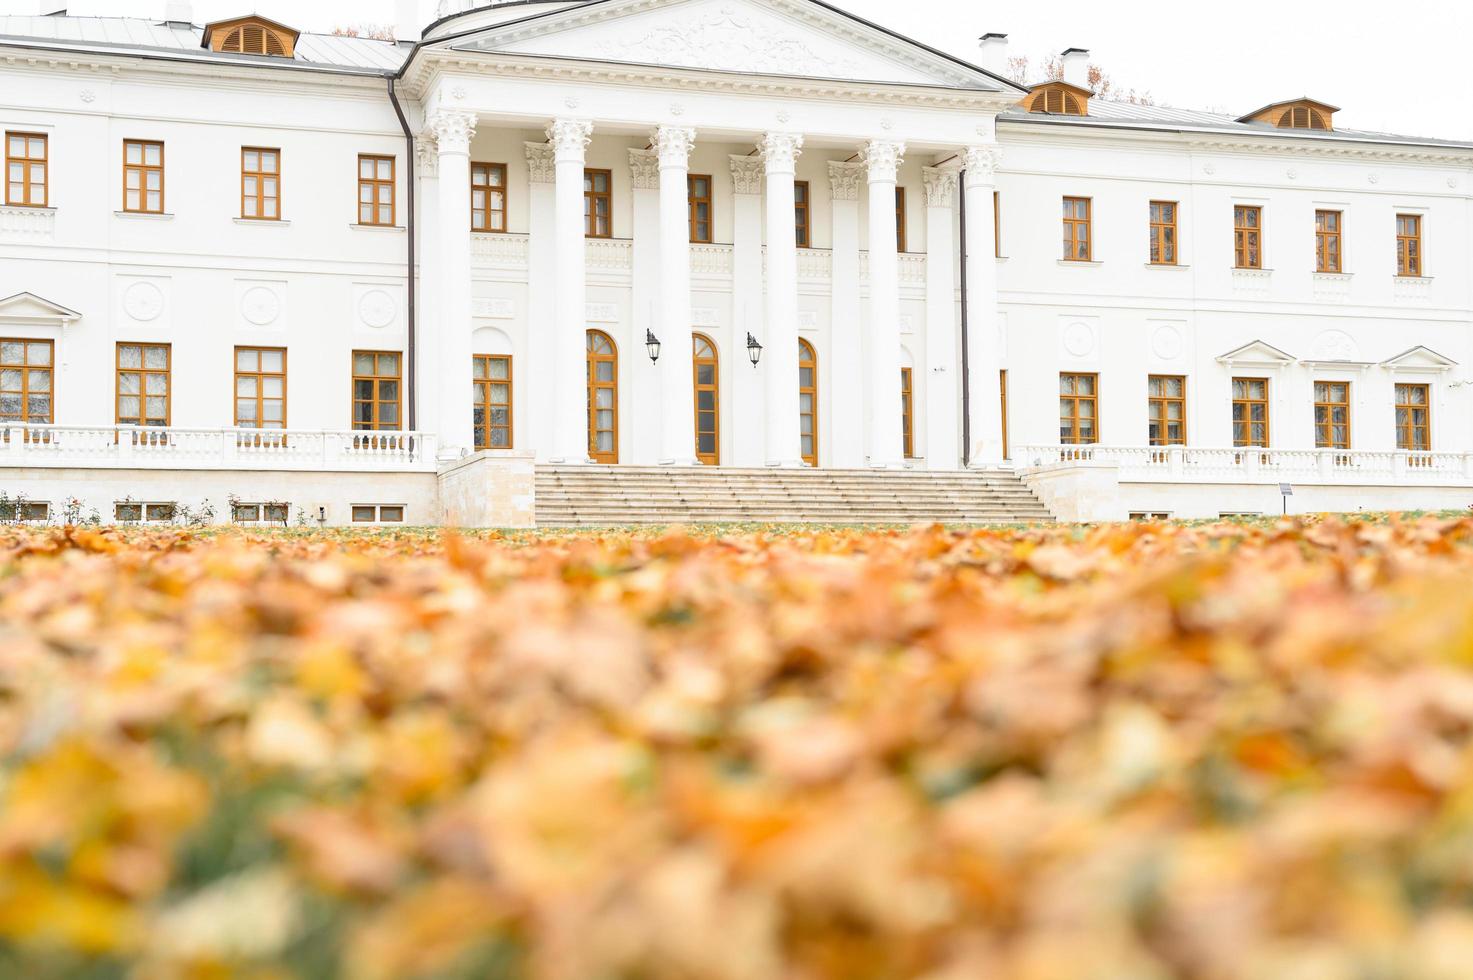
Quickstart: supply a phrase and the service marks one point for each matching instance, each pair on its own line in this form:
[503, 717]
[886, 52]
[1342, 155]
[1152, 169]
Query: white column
[453, 131]
[780, 360]
[539, 398]
[641, 405]
[569, 138]
[427, 298]
[677, 382]
[844, 427]
[942, 411]
[981, 163]
[745, 408]
[886, 442]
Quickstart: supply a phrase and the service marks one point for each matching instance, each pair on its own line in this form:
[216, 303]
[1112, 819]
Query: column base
[565, 461]
[689, 461]
[788, 464]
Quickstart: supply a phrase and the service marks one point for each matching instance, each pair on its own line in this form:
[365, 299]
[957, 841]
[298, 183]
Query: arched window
[1302, 117]
[808, 401]
[603, 398]
[251, 35]
[707, 368]
[1058, 99]
[1295, 114]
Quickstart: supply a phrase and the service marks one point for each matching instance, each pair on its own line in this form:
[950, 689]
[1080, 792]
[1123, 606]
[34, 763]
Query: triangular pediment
[799, 38]
[1255, 353]
[25, 308]
[1420, 359]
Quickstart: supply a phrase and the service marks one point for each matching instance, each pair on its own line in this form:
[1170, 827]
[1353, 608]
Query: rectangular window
[1077, 236]
[25, 511]
[491, 410]
[800, 214]
[143, 176]
[277, 513]
[1248, 236]
[907, 416]
[128, 512]
[900, 219]
[260, 183]
[1413, 418]
[488, 197]
[1332, 414]
[376, 378]
[1250, 412]
[260, 387]
[143, 384]
[1167, 409]
[26, 167]
[378, 513]
[1163, 232]
[598, 204]
[1079, 409]
[1408, 245]
[376, 190]
[1327, 241]
[26, 381]
[699, 194]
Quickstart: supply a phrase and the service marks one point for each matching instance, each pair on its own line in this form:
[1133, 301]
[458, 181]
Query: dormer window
[1058, 99]
[1299, 114]
[251, 35]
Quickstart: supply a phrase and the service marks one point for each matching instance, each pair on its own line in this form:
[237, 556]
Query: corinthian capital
[884, 158]
[570, 137]
[981, 163]
[541, 167]
[940, 186]
[673, 144]
[453, 129]
[844, 179]
[644, 169]
[746, 174]
[427, 154]
[780, 152]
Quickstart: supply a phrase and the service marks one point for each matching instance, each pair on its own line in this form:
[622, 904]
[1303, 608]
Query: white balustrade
[1181, 464]
[502, 251]
[125, 446]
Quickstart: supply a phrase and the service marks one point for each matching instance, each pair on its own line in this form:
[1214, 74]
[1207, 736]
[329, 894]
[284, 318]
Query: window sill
[1079, 262]
[1333, 276]
[1412, 279]
[29, 208]
[1168, 266]
[145, 215]
[378, 228]
[268, 222]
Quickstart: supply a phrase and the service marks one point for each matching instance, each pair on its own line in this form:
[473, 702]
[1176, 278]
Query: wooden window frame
[141, 420]
[805, 345]
[1072, 225]
[996, 224]
[591, 197]
[803, 214]
[262, 175]
[26, 369]
[260, 376]
[483, 384]
[712, 458]
[27, 162]
[900, 219]
[1406, 434]
[144, 169]
[693, 201]
[1329, 242]
[484, 219]
[1242, 252]
[1002, 392]
[1156, 411]
[610, 457]
[1159, 233]
[907, 412]
[1409, 265]
[1266, 401]
[376, 513]
[377, 424]
[378, 184]
[1324, 432]
[1075, 438]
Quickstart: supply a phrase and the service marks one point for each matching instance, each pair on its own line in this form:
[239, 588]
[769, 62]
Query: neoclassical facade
[374, 281]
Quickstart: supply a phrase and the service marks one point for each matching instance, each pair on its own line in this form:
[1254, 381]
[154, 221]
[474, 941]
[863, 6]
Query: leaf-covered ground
[1124, 753]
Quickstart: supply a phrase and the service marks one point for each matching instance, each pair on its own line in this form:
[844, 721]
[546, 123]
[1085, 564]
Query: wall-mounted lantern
[754, 350]
[652, 344]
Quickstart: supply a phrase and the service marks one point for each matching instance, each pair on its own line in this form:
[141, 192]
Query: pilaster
[886, 442]
[780, 153]
[942, 380]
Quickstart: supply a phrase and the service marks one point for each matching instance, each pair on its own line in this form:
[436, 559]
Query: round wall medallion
[1335, 345]
[1209, 169]
[377, 308]
[1166, 343]
[260, 306]
[1292, 174]
[143, 301]
[1079, 339]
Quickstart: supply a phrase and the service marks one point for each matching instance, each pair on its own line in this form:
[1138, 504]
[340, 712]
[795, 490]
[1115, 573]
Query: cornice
[432, 63]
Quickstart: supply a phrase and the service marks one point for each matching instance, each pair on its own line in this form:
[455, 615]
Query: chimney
[410, 25]
[994, 57]
[1076, 67]
[178, 12]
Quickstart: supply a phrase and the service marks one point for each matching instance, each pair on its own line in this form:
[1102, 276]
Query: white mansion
[382, 281]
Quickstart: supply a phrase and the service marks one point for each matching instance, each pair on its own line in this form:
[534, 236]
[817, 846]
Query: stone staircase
[584, 496]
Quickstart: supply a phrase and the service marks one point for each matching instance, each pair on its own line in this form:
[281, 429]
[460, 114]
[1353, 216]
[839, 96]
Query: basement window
[129, 512]
[261, 513]
[378, 513]
[25, 511]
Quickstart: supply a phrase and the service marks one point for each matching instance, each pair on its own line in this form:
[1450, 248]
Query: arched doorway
[707, 368]
[808, 401]
[603, 398]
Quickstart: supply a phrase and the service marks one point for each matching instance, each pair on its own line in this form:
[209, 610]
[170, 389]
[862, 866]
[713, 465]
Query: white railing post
[1176, 460]
[123, 441]
[1326, 463]
[1399, 464]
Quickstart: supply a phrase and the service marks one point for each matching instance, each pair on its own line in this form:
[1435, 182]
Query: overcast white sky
[1393, 67]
